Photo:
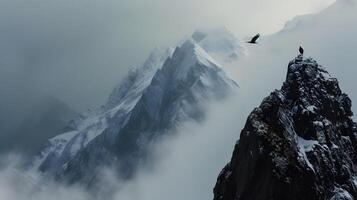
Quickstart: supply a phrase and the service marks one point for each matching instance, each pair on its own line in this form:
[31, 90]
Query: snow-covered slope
[169, 88]
[138, 79]
[122, 100]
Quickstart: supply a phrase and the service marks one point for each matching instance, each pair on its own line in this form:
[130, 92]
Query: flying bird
[301, 50]
[254, 39]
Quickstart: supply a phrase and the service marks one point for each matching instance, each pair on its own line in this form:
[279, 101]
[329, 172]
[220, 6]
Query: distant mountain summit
[171, 87]
[221, 44]
[300, 143]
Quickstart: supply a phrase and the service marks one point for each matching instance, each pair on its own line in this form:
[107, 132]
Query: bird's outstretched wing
[254, 39]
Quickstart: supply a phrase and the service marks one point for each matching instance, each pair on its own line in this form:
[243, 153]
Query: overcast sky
[85, 53]
[77, 50]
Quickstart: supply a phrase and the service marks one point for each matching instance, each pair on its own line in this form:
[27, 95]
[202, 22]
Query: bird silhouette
[301, 50]
[254, 39]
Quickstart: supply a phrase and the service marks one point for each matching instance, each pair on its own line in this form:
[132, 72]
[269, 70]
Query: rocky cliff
[300, 143]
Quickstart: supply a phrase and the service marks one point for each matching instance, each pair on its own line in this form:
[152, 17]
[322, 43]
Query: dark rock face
[300, 143]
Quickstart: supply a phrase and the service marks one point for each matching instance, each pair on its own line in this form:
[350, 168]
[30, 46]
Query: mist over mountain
[77, 51]
[168, 121]
[46, 119]
[328, 36]
[171, 87]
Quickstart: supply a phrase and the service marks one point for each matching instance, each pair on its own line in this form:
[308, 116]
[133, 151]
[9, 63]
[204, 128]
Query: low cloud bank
[184, 166]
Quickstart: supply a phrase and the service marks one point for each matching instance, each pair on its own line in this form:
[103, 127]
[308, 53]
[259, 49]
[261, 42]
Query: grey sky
[195, 167]
[78, 50]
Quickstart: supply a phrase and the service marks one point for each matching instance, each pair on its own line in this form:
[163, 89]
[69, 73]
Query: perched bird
[301, 50]
[254, 39]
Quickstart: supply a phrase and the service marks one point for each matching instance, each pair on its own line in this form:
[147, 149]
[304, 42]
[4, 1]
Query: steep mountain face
[169, 88]
[179, 88]
[138, 79]
[300, 143]
[110, 118]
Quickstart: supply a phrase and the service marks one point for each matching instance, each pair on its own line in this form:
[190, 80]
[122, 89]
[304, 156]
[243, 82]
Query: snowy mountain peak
[138, 79]
[189, 73]
[221, 44]
[295, 23]
[307, 68]
[193, 54]
[169, 88]
[221, 32]
[301, 141]
[157, 57]
[122, 100]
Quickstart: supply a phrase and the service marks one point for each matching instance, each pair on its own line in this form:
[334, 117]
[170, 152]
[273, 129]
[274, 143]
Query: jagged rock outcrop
[299, 144]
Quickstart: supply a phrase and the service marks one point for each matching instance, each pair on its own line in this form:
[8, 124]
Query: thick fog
[186, 172]
[328, 37]
[77, 51]
[186, 167]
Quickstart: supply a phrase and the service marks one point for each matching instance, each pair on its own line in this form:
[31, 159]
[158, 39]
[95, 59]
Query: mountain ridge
[169, 88]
